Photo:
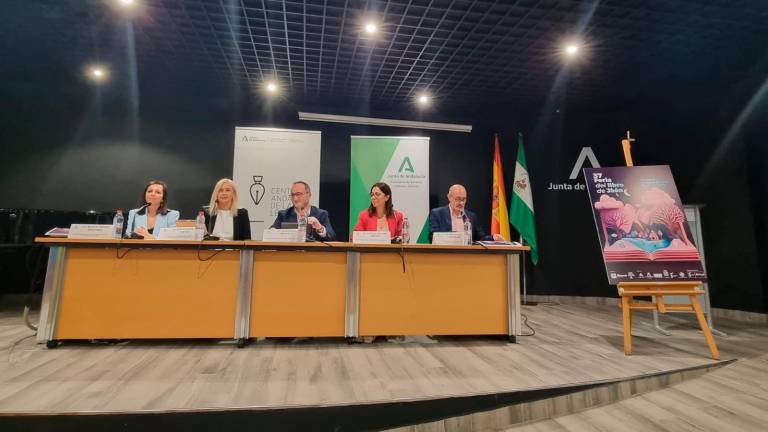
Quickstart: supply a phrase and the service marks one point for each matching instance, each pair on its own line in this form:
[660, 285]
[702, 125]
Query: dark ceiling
[453, 49]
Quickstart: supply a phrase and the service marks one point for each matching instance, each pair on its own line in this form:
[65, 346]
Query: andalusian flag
[499, 216]
[521, 208]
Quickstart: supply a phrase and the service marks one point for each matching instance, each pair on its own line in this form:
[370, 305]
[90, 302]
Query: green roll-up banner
[402, 163]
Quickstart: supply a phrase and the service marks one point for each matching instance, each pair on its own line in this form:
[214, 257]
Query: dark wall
[68, 146]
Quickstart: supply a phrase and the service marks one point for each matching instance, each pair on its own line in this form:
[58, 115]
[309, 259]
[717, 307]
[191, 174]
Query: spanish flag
[499, 215]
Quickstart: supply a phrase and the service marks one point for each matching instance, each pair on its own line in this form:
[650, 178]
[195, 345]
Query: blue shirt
[136, 220]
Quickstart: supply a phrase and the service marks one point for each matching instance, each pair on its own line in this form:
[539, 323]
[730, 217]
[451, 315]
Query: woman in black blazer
[222, 217]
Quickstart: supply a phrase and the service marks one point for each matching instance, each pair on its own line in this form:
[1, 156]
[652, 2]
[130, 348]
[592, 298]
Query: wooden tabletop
[259, 245]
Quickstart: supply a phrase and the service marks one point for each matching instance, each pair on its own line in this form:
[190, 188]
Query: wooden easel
[657, 290]
[629, 290]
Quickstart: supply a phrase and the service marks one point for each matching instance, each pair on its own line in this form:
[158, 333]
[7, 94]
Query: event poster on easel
[643, 232]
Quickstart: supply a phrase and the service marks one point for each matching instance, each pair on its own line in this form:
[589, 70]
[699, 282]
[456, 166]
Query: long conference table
[139, 289]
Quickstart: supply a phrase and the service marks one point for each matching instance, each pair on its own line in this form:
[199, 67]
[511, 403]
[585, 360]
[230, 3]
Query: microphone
[311, 231]
[209, 228]
[142, 208]
[208, 234]
[131, 234]
[308, 230]
[398, 239]
[464, 219]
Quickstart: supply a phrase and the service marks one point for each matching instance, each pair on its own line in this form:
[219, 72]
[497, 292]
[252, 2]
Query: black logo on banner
[257, 190]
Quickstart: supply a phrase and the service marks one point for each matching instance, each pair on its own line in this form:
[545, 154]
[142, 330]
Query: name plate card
[92, 231]
[449, 238]
[371, 237]
[282, 236]
[180, 233]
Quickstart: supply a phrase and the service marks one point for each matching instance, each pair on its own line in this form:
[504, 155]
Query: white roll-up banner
[266, 162]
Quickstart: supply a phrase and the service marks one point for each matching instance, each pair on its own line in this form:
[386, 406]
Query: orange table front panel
[297, 293]
[439, 294]
[150, 293]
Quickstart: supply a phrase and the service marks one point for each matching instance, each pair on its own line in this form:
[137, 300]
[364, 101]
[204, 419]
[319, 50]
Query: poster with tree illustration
[641, 225]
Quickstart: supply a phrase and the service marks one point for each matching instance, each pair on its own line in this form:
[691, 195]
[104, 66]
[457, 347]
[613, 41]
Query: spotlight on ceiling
[271, 87]
[128, 8]
[423, 99]
[371, 28]
[571, 49]
[97, 74]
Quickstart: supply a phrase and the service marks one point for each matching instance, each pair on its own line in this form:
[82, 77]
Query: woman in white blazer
[153, 213]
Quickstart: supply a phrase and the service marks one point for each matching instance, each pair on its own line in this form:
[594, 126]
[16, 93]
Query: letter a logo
[586, 153]
[406, 165]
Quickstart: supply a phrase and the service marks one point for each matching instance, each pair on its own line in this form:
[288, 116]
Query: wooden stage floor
[573, 344]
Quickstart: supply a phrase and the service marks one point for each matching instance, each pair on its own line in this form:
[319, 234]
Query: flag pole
[523, 266]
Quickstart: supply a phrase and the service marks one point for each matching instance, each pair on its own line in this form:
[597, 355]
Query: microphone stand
[402, 237]
[463, 225]
[523, 262]
[133, 235]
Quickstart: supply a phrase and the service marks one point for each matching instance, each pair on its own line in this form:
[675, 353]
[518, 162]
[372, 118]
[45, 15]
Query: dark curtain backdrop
[69, 146]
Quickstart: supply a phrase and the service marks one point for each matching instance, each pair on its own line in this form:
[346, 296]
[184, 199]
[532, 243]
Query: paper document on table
[57, 232]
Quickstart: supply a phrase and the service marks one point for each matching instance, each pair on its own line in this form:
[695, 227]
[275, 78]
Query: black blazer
[241, 224]
[289, 215]
[440, 221]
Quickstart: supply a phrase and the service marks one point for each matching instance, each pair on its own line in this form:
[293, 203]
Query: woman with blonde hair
[222, 217]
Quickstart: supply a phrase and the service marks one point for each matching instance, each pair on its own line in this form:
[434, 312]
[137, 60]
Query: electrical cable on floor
[36, 269]
[525, 323]
[13, 345]
[38, 277]
[26, 320]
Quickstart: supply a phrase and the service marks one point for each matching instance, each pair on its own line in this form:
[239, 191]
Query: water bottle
[301, 228]
[200, 225]
[406, 231]
[468, 231]
[117, 222]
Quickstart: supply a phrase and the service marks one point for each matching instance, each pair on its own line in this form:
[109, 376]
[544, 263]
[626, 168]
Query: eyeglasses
[377, 194]
[298, 194]
[460, 199]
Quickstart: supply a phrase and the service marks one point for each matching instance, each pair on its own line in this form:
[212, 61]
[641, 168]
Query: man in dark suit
[451, 217]
[318, 223]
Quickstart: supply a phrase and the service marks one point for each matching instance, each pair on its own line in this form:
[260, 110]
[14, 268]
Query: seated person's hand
[498, 237]
[143, 232]
[314, 223]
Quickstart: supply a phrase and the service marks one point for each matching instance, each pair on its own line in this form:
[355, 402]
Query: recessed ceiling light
[423, 99]
[271, 87]
[371, 28]
[571, 49]
[97, 73]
